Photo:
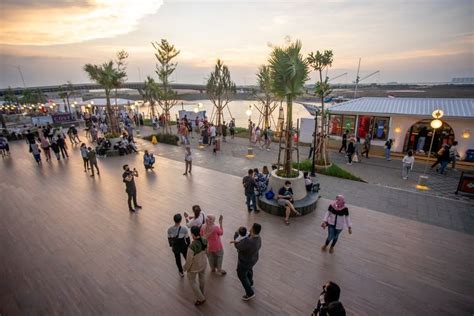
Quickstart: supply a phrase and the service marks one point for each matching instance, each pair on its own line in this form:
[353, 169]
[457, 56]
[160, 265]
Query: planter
[297, 184]
[322, 167]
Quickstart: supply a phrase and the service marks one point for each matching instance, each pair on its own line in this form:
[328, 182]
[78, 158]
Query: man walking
[91, 155]
[178, 239]
[247, 249]
[250, 185]
[130, 188]
[367, 141]
[344, 142]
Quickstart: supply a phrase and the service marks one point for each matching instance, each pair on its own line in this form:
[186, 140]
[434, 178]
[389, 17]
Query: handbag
[269, 195]
[172, 241]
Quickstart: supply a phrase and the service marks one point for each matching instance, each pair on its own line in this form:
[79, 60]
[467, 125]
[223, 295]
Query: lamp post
[435, 124]
[315, 135]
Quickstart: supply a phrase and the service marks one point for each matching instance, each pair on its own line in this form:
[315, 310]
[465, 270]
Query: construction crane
[333, 78]
[358, 79]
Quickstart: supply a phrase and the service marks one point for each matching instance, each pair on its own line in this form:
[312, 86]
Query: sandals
[287, 222]
[197, 303]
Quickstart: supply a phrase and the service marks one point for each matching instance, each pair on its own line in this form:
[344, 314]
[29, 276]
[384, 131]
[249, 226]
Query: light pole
[435, 124]
[315, 135]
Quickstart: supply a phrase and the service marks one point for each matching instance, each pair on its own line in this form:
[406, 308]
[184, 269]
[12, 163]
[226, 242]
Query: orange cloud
[53, 25]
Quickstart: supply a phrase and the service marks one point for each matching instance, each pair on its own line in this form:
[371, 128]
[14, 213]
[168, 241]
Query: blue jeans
[333, 234]
[245, 275]
[444, 164]
[251, 200]
[387, 153]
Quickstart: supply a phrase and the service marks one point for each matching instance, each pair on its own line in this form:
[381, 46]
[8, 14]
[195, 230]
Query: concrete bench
[304, 206]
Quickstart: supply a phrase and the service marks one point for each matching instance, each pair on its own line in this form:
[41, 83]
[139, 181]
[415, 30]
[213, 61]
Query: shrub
[164, 138]
[111, 135]
[333, 171]
[294, 174]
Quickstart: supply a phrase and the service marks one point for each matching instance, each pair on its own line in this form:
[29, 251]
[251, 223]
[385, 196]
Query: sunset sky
[408, 41]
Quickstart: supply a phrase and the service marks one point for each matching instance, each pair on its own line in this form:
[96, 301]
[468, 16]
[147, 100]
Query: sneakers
[181, 274]
[331, 249]
[246, 297]
[324, 248]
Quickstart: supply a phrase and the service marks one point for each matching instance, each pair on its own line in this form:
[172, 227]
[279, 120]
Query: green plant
[288, 71]
[109, 77]
[220, 88]
[164, 138]
[333, 171]
[165, 95]
[283, 173]
[320, 61]
[111, 135]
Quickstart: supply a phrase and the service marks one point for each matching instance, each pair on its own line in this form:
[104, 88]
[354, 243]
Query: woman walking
[330, 295]
[350, 150]
[85, 156]
[196, 264]
[408, 162]
[55, 148]
[45, 146]
[388, 148]
[336, 219]
[215, 250]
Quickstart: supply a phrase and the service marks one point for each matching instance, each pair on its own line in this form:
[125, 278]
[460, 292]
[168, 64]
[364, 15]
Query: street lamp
[435, 124]
[313, 166]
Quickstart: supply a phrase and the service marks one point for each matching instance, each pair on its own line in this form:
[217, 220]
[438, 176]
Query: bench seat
[304, 206]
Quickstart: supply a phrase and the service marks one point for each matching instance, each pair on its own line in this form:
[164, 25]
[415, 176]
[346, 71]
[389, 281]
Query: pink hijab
[339, 203]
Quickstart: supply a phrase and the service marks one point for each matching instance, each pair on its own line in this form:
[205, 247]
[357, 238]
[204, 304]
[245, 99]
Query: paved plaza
[69, 245]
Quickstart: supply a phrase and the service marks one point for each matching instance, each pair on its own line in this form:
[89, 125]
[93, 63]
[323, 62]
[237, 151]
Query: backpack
[269, 195]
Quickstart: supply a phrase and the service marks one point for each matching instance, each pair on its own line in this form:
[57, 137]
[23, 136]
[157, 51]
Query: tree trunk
[114, 128]
[289, 140]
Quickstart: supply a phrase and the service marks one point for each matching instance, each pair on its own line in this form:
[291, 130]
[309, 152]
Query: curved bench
[304, 206]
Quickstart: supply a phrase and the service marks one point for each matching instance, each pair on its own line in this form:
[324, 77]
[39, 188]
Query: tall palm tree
[289, 71]
[109, 77]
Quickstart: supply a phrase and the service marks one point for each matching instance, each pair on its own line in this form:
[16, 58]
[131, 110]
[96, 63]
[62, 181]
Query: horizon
[408, 42]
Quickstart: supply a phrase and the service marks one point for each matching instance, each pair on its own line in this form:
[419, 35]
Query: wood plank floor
[69, 246]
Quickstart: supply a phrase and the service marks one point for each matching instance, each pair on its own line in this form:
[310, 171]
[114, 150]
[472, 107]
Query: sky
[407, 41]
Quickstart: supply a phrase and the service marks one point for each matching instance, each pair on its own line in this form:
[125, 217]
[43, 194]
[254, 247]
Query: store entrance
[418, 137]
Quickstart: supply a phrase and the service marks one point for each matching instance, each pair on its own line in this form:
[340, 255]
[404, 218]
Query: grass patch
[164, 138]
[333, 171]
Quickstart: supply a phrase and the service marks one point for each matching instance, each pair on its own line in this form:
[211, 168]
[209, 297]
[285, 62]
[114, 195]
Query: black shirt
[286, 192]
[249, 184]
[130, 185]
[248, 251]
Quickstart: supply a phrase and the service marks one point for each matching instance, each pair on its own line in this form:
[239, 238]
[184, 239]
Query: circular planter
[322, 167]
[297, 184]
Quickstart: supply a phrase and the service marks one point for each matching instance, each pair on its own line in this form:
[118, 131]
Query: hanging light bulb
[436, 124]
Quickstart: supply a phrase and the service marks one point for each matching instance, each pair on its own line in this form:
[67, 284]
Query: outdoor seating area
[305, 206]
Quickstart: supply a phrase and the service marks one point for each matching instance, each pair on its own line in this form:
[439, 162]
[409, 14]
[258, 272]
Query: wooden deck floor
[69, 246]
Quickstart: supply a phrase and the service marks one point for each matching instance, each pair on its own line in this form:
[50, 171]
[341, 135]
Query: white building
[406, 119]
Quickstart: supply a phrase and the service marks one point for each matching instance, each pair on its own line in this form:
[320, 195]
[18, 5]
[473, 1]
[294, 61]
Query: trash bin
[466, 183]
[469, 155]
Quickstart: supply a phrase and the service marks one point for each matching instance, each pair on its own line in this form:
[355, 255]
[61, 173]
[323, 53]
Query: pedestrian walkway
[385, 191]
[70, 246]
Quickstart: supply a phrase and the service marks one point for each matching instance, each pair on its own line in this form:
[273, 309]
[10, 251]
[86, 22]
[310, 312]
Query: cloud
[71, 22]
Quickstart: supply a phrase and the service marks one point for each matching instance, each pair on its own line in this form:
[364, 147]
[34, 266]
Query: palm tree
[289, 71]
[265, 95]
[109, 77]
[67, 91]
[150, 93]
[320, 61]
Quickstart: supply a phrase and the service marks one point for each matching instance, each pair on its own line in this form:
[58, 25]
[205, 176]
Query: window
[381, 126]
[335, 126]
[349, 123]
[364, 125]
[341, 123]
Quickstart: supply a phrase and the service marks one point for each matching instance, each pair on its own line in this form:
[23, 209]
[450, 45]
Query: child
[408, 162]
[188, 159]
[240, 234]
[36, 152]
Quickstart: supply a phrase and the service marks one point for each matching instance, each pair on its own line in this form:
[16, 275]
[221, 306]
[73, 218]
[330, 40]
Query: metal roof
[462, 108]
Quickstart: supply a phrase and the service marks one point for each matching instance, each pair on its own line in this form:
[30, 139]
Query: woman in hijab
[215, 250]
[328, 296]
[336, 219]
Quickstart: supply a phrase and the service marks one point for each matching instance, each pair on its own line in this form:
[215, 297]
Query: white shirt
[408, 161]
[199, 221]
[213, 131]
